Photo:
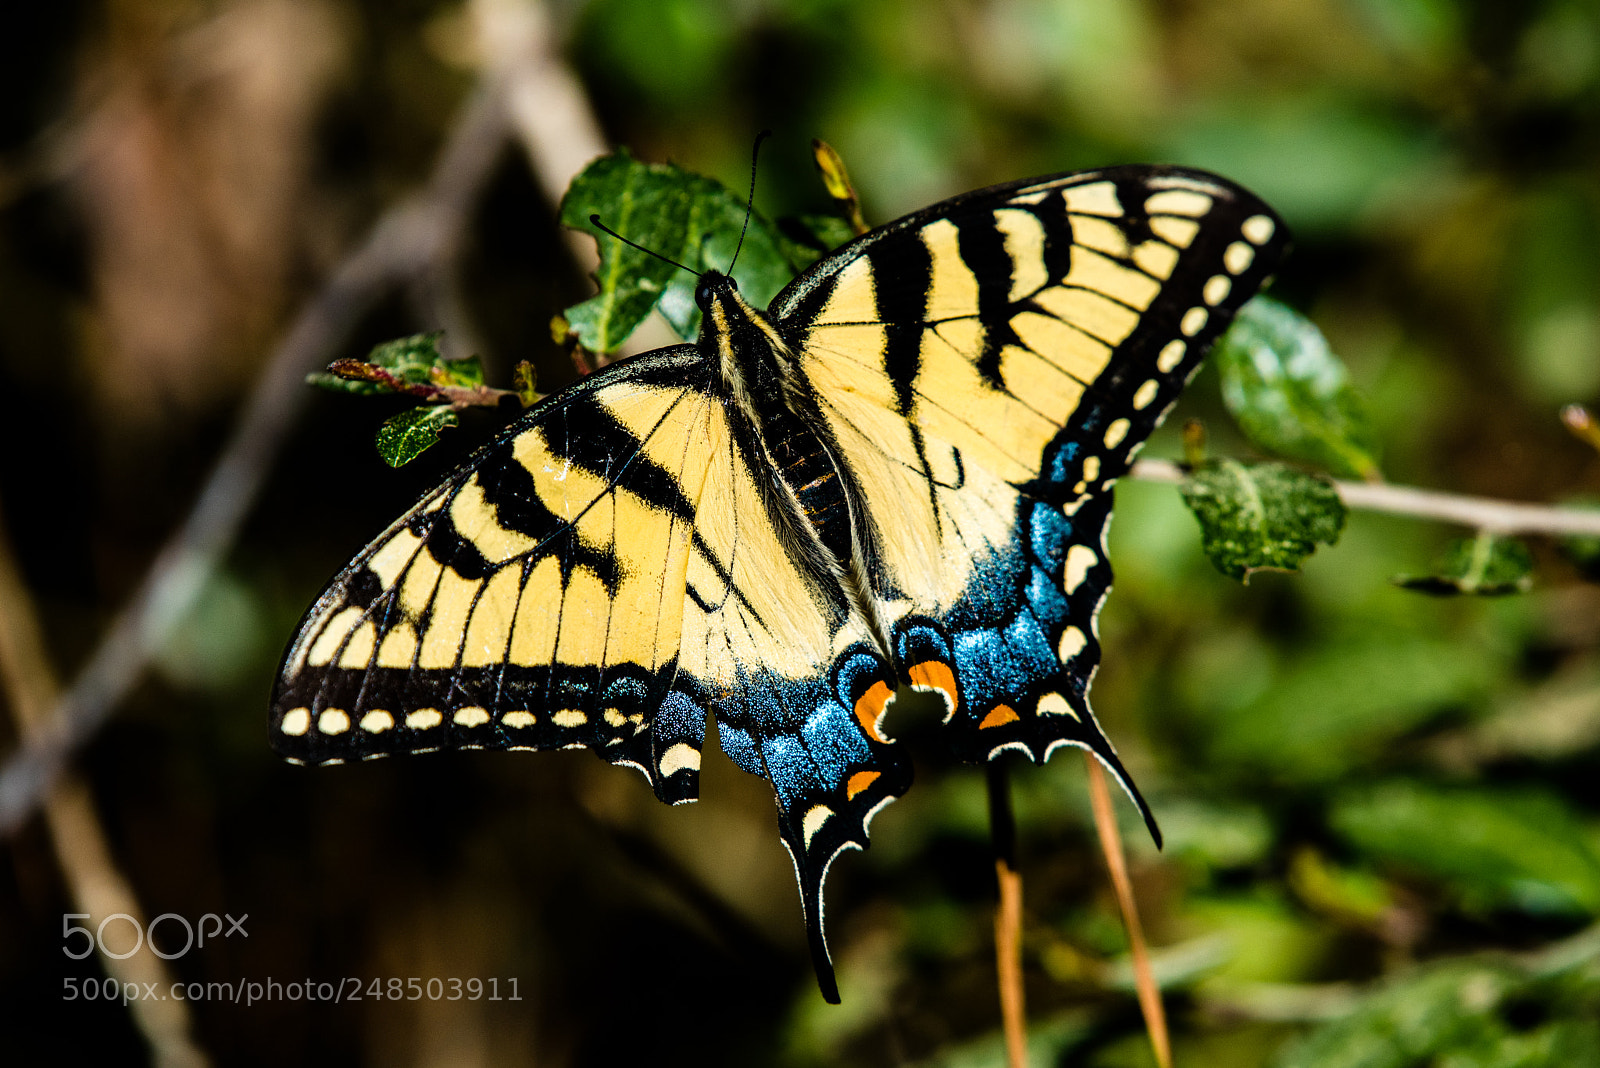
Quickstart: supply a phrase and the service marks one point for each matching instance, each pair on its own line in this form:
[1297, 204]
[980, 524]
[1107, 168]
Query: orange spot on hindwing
[934, 675]
[859, 782]
[999, 717]
[869, 709]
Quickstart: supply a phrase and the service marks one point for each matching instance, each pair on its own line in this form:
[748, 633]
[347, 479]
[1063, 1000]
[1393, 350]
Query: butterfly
[899, 475]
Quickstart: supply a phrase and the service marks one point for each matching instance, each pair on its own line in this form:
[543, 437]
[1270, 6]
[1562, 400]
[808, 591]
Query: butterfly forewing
[532, 601]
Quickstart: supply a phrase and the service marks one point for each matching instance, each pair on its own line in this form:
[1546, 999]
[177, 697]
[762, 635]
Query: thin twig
[94, 883]
[1105, 821]
[1007, 915]
[401, 243]
[1480, 513]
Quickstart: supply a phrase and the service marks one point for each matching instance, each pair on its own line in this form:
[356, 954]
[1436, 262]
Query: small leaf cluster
[415, 366]
[1260, 517]
[1292, 397]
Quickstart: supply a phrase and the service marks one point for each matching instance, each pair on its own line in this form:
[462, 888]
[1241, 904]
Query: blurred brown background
[1359, 785]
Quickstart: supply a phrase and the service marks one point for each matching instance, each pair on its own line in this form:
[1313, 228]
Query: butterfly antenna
[595, 219]
[750, 201]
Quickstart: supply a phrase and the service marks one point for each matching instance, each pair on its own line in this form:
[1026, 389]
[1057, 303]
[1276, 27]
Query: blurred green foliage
[1379, 807]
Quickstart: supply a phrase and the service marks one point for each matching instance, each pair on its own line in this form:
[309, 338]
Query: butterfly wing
[988, 367]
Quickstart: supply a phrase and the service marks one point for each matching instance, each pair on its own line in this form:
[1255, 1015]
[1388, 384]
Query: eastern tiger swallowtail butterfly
[899, 475]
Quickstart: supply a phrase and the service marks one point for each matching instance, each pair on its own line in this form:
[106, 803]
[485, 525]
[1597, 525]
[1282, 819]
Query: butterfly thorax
[759, 372]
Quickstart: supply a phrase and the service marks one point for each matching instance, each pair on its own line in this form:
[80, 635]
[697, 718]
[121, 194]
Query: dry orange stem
[1008, 957]
[1105, 821]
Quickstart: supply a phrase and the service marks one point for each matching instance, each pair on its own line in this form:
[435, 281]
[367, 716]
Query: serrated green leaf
[410, 359]
[1291, 395]
[404, 437]
[1490, 849]
[680, 215]
[1484, 566]
[1256, 517]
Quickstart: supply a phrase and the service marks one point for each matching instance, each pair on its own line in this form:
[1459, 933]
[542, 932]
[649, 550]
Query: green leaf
[404, 437]
[1484, 566]
[1491, 849]
[1446, 1009]
[411, 359]
[1291, 395]
[406, 361]
[1256, 517]
[676, 214]
[1486, 1011]
[1352, 894]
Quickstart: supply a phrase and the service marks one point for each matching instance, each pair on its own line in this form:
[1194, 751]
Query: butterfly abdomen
[802, 462]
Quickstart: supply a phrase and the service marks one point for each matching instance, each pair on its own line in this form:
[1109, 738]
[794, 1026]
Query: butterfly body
[896, 476]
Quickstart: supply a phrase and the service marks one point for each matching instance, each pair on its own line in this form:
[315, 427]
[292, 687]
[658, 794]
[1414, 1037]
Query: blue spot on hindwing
[1048, 534]
[1050, 606]
[679, 719]
[789, 769]
[918, 640]
[740, 746]
[835, 742]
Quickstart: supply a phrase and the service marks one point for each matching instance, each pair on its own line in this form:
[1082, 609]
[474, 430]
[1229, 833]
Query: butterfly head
[726, 318]
[713, 284]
